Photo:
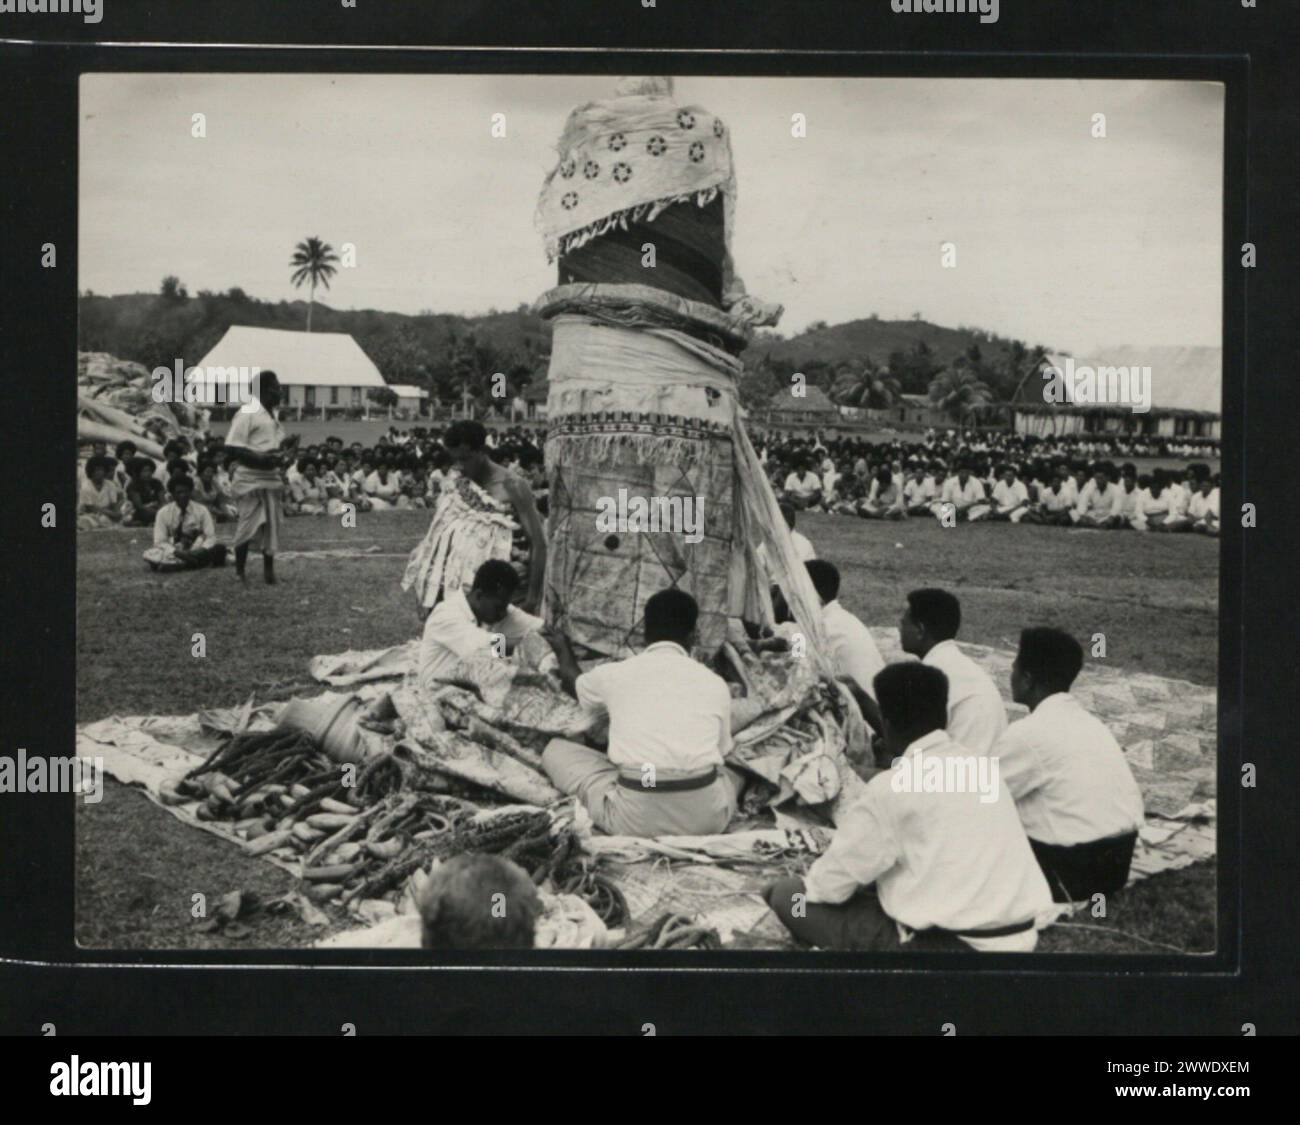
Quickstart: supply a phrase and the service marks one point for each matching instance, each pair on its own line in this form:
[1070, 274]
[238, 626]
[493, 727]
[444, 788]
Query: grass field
[1154, 597]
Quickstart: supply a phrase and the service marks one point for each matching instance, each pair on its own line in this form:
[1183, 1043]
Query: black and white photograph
[648, 512]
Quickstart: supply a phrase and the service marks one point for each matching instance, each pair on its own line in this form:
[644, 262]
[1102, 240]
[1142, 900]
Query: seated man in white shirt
[669, 731]
[1010, 496]
[476, 622]
[1077, 798]
[802, 545]
[853, 650]
[1127, 503]
[1055, 499]
[976, 715]
[912, 867]
[919, 491]
[803, 487]
[184, 536]
[962, 498]
[1096, 503]
[1203, 510]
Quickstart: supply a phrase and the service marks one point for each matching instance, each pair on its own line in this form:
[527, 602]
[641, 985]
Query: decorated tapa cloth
[468, 528]
[625, 161]
[650, 415]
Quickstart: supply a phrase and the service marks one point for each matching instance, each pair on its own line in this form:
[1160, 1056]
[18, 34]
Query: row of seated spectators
[128, 488]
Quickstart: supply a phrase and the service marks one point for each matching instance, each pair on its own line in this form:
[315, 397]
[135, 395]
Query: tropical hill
[861, 362]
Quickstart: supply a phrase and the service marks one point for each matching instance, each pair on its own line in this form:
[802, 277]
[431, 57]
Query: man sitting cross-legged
[669, 731]
[184, 536]
[912, 868]
[1077, 798]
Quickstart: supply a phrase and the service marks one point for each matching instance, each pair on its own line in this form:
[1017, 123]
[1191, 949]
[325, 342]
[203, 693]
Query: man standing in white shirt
[669, 733]
[1076, 796]
[976, 715]
[476, 622]
[915, 867]
[254, 443]
[853, 650]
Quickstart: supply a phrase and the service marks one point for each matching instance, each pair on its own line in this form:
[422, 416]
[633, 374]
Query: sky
[1062, 238]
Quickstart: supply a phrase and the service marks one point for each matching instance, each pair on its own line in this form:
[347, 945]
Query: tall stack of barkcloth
[649, 320]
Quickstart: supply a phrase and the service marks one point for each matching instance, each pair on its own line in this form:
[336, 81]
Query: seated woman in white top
[1074, 791]
[383, 487]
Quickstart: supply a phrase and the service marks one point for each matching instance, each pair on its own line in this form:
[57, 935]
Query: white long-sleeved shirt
[1010, 496]
[1202, 505]
[958, 860]
[1068, 775]
[803, 486]
[452, 633]
[665, 710]
[1125, 503]
[1056, 500]
[170, 524]
[921, 491]
[1094, 503]
[954, 492]
[976, 714]
[853, 650]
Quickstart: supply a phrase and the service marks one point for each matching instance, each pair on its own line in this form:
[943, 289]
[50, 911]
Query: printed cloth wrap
[627, 159]
[654, 412]
[468, 528]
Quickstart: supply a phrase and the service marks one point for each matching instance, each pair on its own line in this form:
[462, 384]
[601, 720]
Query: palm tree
[864, 384]
[958, 391]
[314, 261]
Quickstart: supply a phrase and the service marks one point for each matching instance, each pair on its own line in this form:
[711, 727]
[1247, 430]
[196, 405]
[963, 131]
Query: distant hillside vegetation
[452, 354]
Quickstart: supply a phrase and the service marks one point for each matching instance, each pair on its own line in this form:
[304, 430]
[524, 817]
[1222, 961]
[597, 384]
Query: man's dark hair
[265, 380]
[496, 577]
[825, 578]
[467, 433]
[476, 901]
[1051, 656]
[937, 610]
[912, 696]
[670, 615]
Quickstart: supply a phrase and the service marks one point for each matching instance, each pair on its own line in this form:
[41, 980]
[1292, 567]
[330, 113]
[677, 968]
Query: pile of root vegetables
[361, 831]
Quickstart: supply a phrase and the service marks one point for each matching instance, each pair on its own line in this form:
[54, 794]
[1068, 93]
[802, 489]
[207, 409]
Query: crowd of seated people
[1002, 477]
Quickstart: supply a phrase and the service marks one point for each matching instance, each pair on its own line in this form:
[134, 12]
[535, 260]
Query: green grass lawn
[1154, 597]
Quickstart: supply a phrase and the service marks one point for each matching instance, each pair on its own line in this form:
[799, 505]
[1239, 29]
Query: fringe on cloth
[593, 439]
[642, 212]
[468, 529]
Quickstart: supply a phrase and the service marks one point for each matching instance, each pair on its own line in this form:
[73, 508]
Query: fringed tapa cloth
[468, 528]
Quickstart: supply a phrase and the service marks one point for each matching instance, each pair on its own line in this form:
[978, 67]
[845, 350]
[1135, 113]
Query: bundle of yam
[360, 831]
